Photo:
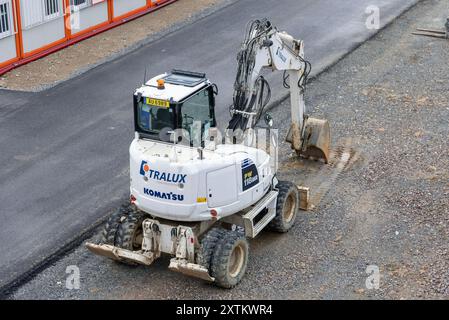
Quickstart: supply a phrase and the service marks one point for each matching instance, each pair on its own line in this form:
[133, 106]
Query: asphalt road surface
[64, 151]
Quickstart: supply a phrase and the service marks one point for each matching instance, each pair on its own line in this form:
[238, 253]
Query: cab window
[153, 119]
[197, 116]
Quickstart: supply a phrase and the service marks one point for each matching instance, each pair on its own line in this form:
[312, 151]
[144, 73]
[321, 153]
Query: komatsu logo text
[146, 171]
[163, 195]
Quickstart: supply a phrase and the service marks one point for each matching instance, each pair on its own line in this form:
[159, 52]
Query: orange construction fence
[22, 57]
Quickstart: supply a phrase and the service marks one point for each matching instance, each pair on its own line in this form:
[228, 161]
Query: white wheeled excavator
[195, 198]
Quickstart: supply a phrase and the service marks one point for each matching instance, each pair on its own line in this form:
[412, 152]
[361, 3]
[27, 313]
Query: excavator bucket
[315, 140]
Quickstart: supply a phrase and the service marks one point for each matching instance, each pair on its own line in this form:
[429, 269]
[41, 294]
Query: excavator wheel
[130, 233]
[287, 207]
[230, 259]
[207, 246]
[109, 232]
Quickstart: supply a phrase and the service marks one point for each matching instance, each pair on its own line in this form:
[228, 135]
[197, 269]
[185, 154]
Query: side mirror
[268, 120]
[171, 134]
[215, 89]
[167, 135]
[139, 97]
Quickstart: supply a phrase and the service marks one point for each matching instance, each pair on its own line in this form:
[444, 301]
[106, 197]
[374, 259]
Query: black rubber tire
[128, 231]
[221, 268]
[287, 192]
[109, 232]
[207, 247]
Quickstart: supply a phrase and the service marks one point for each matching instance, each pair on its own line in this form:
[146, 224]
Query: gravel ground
[388, 205]
[74, 60]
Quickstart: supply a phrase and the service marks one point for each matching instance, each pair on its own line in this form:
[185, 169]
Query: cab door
[197, 116]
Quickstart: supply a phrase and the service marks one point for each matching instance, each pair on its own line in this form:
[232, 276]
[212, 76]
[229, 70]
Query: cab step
[254, 224]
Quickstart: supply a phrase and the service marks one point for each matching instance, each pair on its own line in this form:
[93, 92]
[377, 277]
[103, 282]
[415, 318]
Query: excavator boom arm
[266, 47]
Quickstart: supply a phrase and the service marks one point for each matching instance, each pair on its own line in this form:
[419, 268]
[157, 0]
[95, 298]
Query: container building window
[35, 12]
[5, 18]
[52, 9]
[79, 4]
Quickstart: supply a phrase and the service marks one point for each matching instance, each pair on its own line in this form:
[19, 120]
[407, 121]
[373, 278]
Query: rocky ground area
[74, 60]
[383, 201]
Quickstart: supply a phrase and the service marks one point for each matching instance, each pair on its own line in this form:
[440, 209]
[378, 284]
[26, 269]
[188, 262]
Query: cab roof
[178, 86]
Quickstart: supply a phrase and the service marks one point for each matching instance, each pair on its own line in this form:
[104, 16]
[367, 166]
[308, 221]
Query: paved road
[64, 160]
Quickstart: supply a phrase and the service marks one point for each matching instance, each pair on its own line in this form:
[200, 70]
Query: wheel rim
[289, 208]
[236, 261]
[137, 239]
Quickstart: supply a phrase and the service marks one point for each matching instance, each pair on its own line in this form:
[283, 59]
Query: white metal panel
[171, 91]
[7, 49]
[222, 187]
[122, 7]
[32, 12]
[43, 34]
[89, 16]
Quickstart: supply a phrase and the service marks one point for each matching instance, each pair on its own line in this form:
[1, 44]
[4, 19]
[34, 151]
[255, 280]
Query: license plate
[158, 103]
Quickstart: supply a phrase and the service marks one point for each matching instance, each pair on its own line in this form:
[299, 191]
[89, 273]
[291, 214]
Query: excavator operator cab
[174, 104]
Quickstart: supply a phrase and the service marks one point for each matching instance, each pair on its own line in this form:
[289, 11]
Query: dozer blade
[315, 140]
[190, 269]
[119, 254]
